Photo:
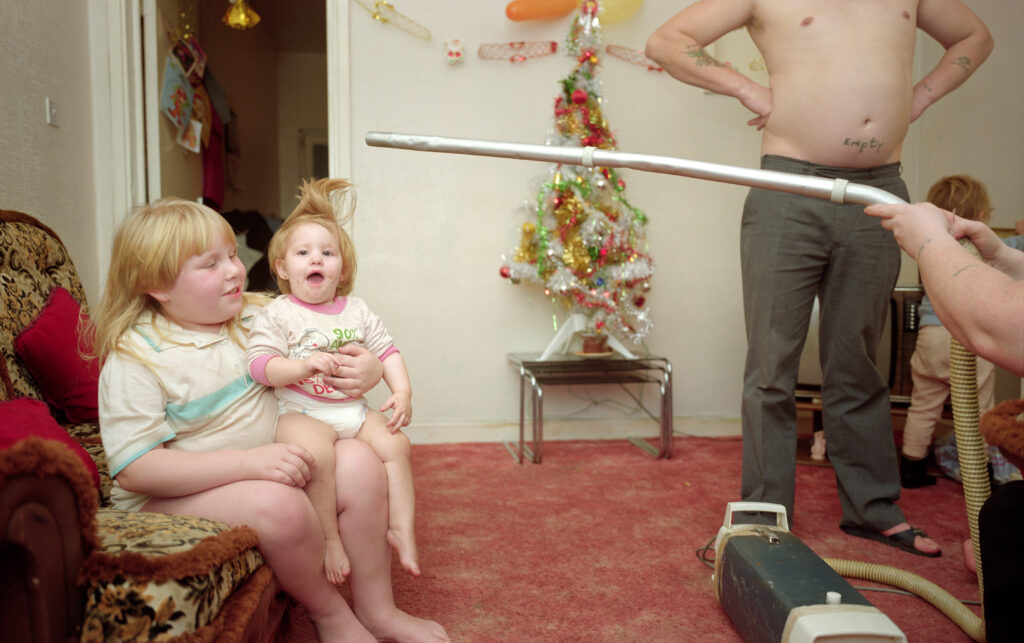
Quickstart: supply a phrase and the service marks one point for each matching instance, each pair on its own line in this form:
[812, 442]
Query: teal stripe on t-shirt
[211, 403]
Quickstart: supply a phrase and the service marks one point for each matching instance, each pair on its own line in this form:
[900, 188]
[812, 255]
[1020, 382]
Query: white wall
[431, 228]
[47, 171]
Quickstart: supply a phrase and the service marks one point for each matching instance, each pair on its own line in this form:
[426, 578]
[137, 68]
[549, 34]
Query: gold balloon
[612, 11]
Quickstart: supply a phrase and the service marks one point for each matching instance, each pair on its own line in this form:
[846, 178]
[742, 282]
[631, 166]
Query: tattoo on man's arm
[921, 249]
[703, 58]
[963, 62]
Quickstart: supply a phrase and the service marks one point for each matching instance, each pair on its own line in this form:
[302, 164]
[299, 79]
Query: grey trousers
[793, 248]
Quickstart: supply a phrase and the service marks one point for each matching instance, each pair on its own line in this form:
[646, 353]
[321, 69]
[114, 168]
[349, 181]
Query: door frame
[126, 104]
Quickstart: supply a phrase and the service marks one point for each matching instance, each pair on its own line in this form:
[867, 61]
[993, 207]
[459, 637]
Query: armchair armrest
[47, 527]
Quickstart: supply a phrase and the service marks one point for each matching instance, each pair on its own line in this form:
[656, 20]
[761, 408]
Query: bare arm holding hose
[980, 300]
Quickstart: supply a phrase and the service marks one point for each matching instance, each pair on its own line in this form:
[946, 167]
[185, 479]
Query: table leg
[666, 414]
[538, 422]
[522, 412]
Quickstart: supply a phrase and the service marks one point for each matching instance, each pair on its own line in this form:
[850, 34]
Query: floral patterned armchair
[71, 566]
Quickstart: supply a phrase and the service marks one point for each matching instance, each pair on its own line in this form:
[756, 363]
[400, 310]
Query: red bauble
[505, 272]
[579, 96]
[639, 302]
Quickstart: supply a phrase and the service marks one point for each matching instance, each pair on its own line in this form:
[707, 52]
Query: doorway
[272, 80]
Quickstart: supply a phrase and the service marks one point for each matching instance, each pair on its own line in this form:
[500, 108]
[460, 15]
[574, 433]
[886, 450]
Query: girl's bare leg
[319, 439]
[363, 514]
[395, 452]
[291, 541]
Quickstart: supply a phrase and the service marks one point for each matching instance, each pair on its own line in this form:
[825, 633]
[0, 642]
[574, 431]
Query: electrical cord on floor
[702, 553]
[891, 590]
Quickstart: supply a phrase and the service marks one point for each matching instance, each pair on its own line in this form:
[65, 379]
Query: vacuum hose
[963, 365]
[968, 621]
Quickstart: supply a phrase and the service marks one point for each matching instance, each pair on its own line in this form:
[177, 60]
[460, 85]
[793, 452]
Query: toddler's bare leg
[319, 439]
[395, 452]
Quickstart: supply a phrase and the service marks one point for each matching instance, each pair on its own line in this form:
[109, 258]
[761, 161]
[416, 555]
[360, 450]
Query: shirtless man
[841, 100]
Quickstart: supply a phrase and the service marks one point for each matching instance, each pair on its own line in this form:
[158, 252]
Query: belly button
[867, 121]
[806, 21]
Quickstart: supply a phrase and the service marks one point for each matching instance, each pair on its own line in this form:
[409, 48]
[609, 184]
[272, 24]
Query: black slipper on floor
[901, 539]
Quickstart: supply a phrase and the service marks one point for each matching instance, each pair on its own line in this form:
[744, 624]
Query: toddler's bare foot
[393, 624]
[404, 543]
[336, 564]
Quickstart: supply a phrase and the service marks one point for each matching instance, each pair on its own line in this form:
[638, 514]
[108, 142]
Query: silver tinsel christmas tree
[582, 239]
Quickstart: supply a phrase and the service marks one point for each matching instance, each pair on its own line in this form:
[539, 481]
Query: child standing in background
[187, 432]
[966, 197]
[292, 345]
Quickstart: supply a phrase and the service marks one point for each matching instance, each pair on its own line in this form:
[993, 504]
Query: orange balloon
[520, 10]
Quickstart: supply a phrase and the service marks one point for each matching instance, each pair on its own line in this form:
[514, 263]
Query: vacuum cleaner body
[775, 588]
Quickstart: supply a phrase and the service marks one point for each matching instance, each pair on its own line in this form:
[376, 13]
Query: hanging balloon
[612, 11]
[520, 10]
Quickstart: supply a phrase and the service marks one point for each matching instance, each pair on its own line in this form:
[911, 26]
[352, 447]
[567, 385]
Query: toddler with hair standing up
[293, 345]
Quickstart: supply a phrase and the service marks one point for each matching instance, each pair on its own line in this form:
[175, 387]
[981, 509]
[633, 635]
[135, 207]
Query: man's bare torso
[841, 78]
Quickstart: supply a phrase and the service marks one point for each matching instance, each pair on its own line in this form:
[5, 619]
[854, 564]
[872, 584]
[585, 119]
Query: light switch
[51, 112]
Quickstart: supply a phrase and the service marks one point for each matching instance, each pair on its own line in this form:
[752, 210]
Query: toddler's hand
[356, 371]
[285, 463]
[319, 362]
[402, 404]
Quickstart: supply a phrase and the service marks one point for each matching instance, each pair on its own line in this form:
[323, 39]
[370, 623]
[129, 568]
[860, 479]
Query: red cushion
[49, 347]
[26, 418]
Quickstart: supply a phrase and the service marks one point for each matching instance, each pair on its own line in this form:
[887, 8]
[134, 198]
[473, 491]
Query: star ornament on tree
[583, 240]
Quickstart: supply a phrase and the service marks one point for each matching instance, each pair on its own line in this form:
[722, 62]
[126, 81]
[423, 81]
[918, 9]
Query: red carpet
[599, 543]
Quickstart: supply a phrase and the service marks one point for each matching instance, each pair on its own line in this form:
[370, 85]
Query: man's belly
[839, 128]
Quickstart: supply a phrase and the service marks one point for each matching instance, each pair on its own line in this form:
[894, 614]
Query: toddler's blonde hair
[150, 247]
[962, 194]
[329, 203]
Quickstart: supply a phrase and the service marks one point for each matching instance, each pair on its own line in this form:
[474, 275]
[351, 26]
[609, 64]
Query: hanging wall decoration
[634, 56]
[517, 52]
[454, 52]
[386, 14]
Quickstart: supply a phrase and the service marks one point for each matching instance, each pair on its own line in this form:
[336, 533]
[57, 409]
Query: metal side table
[572, 369]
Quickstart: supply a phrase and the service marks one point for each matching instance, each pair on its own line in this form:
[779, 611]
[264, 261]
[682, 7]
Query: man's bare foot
[395, 625]
[336, 564]
[405, 544]
[922, 543]
[902, 536]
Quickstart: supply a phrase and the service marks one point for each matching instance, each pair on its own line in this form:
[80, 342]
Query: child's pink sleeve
[258, 369]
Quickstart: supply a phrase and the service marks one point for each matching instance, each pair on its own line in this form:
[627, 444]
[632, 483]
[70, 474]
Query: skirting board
[586, 429]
